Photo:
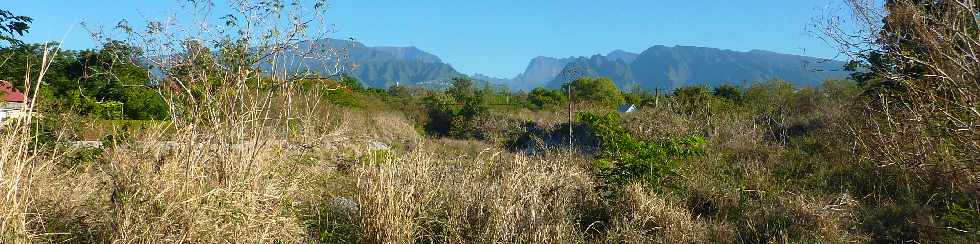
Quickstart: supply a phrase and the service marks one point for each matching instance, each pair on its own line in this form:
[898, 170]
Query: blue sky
[498, 38]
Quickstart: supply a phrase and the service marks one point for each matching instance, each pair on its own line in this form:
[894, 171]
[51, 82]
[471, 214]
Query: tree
[693, 99]
[691, 92]
[453, 113]
[62, 69]
[145, 104]
[640, 96]
[107, 72]
[599, 91]
[730, 92]
[542, 97]
[917, 63]
[79, 81]
[12, 25]
[351, 83]
[920, 73]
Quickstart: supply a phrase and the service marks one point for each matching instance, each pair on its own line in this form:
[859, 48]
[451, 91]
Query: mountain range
[374, 66]
[662, 67]
[659, 67]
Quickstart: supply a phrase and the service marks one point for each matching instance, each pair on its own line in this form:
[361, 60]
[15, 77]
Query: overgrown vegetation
[624, 159]
[216, 150]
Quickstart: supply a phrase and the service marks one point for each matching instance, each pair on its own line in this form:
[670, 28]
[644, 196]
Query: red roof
[10, 93]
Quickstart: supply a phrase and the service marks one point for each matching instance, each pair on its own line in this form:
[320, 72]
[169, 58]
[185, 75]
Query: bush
[693, 99]
[439, 113]
[343, 98]
[145, 104]
[454, 113]
[111, 110]
[542, 98]
[730, 92]
[624, 159]
[600, 91]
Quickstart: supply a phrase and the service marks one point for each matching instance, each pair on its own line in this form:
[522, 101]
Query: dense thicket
[110, 82]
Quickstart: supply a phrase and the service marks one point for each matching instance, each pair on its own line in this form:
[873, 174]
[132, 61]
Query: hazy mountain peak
[540, 70]
[627, 57]
[657, 67]
[410, 53]
[383, 66]
[491, 79]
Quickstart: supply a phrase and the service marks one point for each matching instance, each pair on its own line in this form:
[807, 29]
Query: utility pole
[570, 102]
[574, 73]
[656, 97]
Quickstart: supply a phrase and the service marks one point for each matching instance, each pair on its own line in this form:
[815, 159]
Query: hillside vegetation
[222, 146]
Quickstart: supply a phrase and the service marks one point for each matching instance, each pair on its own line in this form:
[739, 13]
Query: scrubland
[776, 166]
[240, 151]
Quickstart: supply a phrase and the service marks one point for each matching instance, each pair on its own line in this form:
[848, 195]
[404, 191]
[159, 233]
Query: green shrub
[82, 157]
[624, 159]
[343, 97]
[693, 99]
[541, 98]
[440, 111]
[118, 136]
[964, 219]
[730, 92]
[331, 220]
[109, 110]
[454, 113]
[599, 91]
[145, 104]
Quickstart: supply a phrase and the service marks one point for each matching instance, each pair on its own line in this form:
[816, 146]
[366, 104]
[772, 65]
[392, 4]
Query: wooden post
[656, 97]
[570, 102]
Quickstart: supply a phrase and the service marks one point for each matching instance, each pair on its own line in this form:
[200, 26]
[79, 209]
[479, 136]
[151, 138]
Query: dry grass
[244, 163]
[649, 218]
[485, 199]
[347, 175]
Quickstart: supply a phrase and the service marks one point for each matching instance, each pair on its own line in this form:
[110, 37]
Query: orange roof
[10, 93]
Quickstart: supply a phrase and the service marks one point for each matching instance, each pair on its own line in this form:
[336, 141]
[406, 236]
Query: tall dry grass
[247, 156]
[494, 197]
[20, 160]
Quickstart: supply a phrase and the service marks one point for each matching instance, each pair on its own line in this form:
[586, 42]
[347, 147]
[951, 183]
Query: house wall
[10, 110]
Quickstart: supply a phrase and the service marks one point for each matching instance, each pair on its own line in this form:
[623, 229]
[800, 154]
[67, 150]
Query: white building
[13, 101]
[627, 108]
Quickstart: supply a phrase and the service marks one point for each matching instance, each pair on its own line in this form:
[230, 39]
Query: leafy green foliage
[691, 92]
[625, 159]
[145, 104]
[454, 112]
[693, 99]
[343, 96]
[640, 97]
[962, 218]
[351, 83]
[110, 110]
[542, 97]
[12, 25]
[79, 81]
[599, 91]
[730, 92]
[440, 113]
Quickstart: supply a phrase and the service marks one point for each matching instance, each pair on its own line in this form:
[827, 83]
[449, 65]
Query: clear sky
[498, 38]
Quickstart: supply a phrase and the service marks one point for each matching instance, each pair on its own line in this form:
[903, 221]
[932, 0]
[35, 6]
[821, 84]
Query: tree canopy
[12, 25]
[599, 91]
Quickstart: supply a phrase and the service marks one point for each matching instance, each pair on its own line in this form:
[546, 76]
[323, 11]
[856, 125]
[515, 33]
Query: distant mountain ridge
[658, 67]
[616, 69]
[539, 72]
[409, 54]
[662, 67]
[374, 66]
[627, 57]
